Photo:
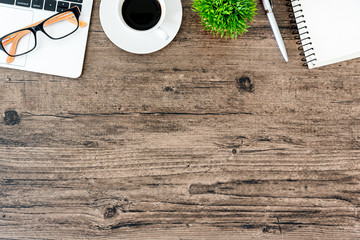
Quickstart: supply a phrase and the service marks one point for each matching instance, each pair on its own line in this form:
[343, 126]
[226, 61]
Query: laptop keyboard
[47, 5]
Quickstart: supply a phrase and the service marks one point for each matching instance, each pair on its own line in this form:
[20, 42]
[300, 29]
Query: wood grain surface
[205, 139]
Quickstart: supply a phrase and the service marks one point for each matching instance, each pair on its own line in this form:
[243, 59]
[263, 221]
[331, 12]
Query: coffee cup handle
[162, 33]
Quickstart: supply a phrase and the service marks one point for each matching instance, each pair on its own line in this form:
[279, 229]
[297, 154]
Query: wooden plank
[206, 139]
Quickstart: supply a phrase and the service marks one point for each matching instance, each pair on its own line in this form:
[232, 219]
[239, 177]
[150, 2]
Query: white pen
[270, 14]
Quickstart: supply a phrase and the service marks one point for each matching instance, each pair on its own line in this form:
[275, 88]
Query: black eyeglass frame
[40, 27]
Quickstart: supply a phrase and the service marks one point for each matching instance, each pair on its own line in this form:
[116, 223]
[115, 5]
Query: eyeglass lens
[61, 25]
[19, 43]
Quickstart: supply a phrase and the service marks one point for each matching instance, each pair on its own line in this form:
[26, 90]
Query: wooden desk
[206, 139]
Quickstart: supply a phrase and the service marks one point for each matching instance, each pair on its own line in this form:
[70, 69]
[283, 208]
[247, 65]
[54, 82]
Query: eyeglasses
[56, 27]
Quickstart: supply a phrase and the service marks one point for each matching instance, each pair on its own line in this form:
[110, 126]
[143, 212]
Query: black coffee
[141, 14]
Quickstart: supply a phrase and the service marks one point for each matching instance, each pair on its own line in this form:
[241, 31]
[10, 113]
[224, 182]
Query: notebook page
[334, 29]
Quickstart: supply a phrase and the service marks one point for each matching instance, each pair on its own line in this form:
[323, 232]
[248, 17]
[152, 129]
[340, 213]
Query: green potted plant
[229, 18]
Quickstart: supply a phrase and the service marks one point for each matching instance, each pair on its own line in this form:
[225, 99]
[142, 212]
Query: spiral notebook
[328, 30]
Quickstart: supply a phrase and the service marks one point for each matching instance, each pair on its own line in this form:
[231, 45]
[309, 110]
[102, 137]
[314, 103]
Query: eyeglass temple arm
[15, 38]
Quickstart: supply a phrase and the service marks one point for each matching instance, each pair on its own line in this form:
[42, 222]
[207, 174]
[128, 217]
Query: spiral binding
[300, 37]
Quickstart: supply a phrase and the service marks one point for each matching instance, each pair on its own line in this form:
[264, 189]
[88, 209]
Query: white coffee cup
[157, 28]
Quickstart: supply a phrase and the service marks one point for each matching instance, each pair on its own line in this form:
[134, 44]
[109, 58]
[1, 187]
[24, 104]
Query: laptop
[64, 57]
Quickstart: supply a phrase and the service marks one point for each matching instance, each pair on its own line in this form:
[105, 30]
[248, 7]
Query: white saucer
[134, 42]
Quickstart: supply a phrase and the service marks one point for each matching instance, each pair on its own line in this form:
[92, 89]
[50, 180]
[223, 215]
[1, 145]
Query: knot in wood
[110, 212]
[11, 118]
[244, 84]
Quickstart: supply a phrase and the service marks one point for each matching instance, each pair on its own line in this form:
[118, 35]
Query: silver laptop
[64, 57]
